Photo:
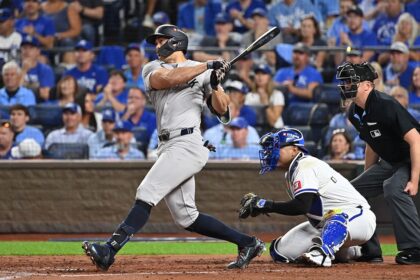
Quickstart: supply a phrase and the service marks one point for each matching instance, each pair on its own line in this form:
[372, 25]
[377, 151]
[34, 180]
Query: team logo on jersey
[375, 133]
[297, 186]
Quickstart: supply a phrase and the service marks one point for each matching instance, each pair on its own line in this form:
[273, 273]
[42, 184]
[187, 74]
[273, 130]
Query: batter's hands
[411, 188]
[219, 64]
[216, 77]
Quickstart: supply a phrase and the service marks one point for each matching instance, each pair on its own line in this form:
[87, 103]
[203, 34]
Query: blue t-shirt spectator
[413, 98]
[188, 16]
[112, 153]
[42, 25]
[133, 83]
[30, 132]
[326, 8]
[339, 25]
[237, 25]
[147, 121]
[122, 97]
[404, 77]
[92, 78]
[42, 74]
[248, 113]
[384, 28]
[23, 96]
[365, 38]
[301, 80]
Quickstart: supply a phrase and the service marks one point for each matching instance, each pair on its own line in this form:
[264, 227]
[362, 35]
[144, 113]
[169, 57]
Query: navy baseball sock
[136, 219]
[209, 226]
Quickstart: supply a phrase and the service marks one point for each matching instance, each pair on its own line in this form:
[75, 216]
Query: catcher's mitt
[251, 205]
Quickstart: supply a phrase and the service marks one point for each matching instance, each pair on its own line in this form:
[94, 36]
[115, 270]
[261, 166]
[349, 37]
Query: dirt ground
[188, 267]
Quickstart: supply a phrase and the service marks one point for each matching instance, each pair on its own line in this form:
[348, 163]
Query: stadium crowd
[71, 84]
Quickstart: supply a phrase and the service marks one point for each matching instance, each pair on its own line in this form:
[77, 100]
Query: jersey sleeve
[304, 180]
[147, 71]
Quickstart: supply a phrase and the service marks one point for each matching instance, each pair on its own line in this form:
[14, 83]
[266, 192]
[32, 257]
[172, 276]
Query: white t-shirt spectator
[276, 99]
[12, 43]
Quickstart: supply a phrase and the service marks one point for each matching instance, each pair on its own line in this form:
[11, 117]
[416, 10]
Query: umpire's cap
[170, 31]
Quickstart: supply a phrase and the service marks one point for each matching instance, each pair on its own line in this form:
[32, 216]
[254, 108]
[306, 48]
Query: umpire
[392, 162]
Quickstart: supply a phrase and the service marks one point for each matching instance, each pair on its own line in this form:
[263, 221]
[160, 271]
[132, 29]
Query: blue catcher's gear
[272, 142]
[350, 75]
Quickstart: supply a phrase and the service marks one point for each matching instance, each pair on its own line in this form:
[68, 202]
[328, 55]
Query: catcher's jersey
[180, 106]
[308, 174]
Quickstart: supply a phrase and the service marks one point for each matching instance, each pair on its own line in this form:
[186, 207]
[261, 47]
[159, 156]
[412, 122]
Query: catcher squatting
[178, 89]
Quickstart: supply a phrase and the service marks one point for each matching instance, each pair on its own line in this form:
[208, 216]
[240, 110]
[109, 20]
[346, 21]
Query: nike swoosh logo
[371, 123]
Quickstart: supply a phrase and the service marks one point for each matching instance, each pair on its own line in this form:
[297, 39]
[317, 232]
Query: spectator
[66, 91]
[384, 27]
[407, 31]
[19, 118]
[137, 115]
[9, 39]
[398, 71]
[240, 12]
[90, 119]
[223, 38]
[198, 16]
[401, 95]
[259, 27]
[340, 146]
[153, 145]
[415, 87]
[34, 24]
[115, 93]
[27, 149]
[242, 70]
[301, 78]
[379, 82]
[6, 140]
[73, 131]
[357, 36]
[310, 35]
[160, 18]
[87, 74]
[237, 92]
[328, 10]
[105, 136]
[37, 76]
[288, 15]
[354, 55]
[123, 148]
[134, 55]
[91, 13]
[66, 21]
[240, 148]
[13, 92]
[264, 94]
[340, 121]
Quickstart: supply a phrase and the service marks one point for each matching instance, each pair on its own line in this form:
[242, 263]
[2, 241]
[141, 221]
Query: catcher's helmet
[178, 40]
[272, 142]
[349, 75]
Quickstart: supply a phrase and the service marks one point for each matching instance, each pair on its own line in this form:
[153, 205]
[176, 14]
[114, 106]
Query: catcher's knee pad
[334, 234]
[275, 254]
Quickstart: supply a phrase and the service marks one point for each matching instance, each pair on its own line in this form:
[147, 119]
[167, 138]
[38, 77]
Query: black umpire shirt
[382, 125]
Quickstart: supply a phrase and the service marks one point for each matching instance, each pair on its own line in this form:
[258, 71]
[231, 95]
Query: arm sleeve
[297, 206]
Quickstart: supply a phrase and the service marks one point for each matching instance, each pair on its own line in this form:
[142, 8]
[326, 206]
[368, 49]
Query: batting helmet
[272, 142]
[349, 75]
[178, 40]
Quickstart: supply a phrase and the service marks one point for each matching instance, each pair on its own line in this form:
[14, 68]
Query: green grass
[27, 248]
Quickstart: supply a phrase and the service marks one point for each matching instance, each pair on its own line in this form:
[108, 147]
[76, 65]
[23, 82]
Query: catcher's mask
[350, 75]
[177, 39]
[272, 142]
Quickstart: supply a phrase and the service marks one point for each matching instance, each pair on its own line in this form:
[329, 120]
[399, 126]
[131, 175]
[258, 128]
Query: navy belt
[167, 135]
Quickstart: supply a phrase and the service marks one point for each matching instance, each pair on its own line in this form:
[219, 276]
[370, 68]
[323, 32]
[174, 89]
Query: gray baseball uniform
[180, 157]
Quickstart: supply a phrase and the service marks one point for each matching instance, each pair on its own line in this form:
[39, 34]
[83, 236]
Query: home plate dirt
[188, 267]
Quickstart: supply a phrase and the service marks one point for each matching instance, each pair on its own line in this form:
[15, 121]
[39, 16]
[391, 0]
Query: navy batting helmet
[272, 142]
[178, 40]
[349, 75]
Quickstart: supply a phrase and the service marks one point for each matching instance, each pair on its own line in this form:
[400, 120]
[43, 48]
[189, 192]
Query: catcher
[339, 218]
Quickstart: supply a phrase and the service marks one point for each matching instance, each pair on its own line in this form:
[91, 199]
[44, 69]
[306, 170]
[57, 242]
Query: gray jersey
[181, 106]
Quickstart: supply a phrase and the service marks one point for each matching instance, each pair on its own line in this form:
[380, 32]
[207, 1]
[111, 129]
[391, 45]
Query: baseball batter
[178, 89]
[339, 218]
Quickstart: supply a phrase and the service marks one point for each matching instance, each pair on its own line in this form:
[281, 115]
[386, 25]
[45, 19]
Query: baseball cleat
[100, 255]
[408, 256]
[246, 254]
[317, 257]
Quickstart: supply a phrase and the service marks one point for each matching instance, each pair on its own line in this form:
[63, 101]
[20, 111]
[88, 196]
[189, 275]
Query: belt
[165, 135]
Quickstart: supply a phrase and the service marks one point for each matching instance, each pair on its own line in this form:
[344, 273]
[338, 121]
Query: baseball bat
[261, 41]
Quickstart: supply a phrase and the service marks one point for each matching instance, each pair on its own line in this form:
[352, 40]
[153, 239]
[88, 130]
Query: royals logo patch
[297, 186]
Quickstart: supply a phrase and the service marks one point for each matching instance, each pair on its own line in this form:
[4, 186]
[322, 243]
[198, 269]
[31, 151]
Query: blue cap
[160, 18]
[72, 107]
[108, 115]
[5, 14]
[84, 45]
[123, 126]
[238, 122]
[259, 12]
[222, 18]
[237, 86]
[134, 46]
[291, 137]
[264, 68]
[30, 40]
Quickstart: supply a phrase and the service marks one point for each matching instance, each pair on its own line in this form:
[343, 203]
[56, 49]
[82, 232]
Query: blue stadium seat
[301, 114]
[328, 94]
[49, 116]
[4, 112]
[68, 151]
